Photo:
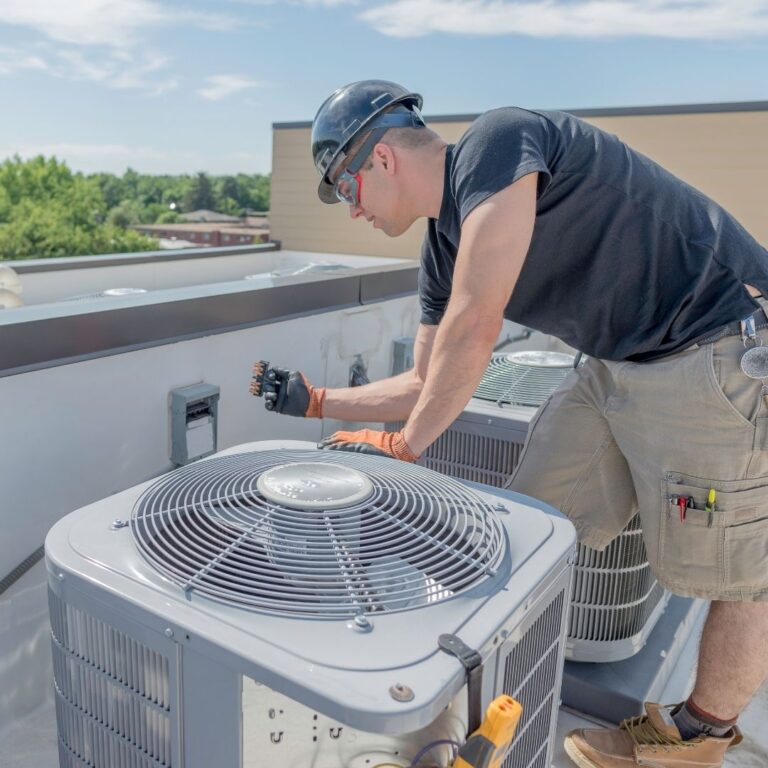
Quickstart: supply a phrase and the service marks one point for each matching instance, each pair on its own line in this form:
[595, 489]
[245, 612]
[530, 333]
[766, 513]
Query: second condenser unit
[615, 598]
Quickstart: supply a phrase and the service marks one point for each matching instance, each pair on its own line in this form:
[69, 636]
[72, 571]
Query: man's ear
[384, 155]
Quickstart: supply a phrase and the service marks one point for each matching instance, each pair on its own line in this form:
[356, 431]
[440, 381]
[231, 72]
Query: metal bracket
[472, 661]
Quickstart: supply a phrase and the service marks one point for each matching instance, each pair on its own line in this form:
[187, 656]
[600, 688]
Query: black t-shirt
[627, 262]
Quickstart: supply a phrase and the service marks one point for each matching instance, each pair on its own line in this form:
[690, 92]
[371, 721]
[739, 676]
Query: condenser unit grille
[523, 378]
[613, 592]
[112, 694]
[478, 458]
[530, 674]
[409, 538]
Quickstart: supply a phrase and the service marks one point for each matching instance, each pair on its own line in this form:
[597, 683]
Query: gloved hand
[287, 392]
[370, 441]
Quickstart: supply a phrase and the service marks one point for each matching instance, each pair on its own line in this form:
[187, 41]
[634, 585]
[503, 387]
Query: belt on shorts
[737, 327]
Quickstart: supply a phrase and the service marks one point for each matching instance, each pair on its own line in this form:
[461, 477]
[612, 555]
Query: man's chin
[391, 230]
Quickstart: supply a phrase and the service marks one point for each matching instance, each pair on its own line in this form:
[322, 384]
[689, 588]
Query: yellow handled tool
[488, 745]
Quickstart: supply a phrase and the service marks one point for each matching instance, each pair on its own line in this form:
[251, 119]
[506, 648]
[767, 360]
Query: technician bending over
[547, 221]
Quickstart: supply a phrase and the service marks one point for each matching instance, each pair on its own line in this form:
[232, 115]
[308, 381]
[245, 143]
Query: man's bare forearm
[389, 399]
[462, 351]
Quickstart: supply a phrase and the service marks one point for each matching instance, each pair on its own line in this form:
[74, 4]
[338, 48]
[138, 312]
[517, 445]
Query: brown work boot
[651, 740]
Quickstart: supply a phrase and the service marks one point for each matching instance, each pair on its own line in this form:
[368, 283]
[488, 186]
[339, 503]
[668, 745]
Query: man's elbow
[418, 377]
[482, 324]
[483, 329]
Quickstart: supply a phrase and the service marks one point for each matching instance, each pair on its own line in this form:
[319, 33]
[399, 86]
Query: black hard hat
[351, 110]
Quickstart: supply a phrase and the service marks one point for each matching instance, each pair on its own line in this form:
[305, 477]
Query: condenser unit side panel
[116, 682]
[530, 669]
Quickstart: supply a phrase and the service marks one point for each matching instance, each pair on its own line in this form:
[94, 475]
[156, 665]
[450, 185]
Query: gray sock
[692, 722]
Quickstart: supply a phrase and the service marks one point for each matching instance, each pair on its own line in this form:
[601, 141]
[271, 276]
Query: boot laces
[644, 733]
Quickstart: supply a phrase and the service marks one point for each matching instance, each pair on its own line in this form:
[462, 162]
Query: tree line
[47, 210]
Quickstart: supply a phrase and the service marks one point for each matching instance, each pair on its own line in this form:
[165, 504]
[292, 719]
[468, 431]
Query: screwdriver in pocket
[709, 507]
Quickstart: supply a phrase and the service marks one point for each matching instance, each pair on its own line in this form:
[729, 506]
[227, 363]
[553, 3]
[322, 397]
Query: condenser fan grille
[523, 378]
[416, 538]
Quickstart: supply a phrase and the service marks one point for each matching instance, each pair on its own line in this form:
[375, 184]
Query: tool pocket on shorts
[725, 549]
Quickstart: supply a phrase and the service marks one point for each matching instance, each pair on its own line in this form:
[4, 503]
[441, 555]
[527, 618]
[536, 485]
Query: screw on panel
[400, 692]
[118, 524]
[361, 623]
[169, 632]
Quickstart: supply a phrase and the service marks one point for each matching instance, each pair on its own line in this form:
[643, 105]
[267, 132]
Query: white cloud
[220, 86]
[13, 60]
[113, 23]
[100, 40]
[681, 19]
[116, 69]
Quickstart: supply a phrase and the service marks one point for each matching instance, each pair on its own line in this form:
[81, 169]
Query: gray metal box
[194, 420]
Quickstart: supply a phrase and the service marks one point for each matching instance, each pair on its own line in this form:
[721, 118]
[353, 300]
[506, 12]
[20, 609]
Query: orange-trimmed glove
[370, 441]
[287, 392]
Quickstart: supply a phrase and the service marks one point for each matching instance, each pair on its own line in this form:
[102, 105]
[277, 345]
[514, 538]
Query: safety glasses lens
[347, 188]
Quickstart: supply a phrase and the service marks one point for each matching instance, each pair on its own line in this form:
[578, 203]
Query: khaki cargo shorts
[616, 437]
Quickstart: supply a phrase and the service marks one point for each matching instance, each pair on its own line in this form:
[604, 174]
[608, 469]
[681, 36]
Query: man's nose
[355, 211]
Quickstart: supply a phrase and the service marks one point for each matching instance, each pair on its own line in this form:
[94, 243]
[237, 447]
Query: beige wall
[724, 154]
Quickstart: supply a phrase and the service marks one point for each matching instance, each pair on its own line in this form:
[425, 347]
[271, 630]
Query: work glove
[370, 441]
[287, 392]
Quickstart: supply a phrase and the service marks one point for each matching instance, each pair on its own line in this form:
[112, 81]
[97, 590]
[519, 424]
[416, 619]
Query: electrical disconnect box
[194, 417]
[402, 354]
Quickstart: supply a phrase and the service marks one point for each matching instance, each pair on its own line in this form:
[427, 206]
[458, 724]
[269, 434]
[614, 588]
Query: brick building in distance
[209, 228]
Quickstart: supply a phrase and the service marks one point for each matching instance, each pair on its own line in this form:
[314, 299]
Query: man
[554, 224]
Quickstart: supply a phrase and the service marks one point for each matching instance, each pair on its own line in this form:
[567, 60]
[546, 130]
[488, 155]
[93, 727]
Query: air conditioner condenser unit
[282, 606]
[615, 599]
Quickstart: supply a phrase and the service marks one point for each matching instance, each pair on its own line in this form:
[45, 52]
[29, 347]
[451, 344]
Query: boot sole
[577, 756]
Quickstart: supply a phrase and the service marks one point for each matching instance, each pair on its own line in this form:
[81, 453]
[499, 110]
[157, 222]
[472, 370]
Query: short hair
[405, 138]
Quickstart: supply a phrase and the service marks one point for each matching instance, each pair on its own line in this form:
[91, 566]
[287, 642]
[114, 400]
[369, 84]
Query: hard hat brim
[326, 193]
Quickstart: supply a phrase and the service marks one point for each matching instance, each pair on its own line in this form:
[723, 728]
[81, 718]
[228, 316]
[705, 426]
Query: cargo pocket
[723, 551]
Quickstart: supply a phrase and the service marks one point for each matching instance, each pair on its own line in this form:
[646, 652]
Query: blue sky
[165, 86]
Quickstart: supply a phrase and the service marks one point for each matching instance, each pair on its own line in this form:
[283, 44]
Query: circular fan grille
[416, 538]
[524, 378]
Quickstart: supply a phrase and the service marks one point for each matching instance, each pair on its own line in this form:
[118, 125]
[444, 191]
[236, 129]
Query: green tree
[50, 211]
[112, 189]
[125, 214]
[169, 217]
[5, 205]
[199, 194]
